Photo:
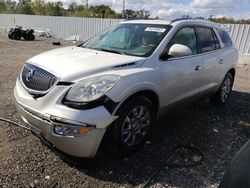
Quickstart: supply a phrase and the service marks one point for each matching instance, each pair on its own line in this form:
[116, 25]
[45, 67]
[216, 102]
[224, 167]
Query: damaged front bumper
[79, 146]
[75, 132]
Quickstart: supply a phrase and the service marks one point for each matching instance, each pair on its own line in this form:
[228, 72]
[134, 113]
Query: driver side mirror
[177, 50]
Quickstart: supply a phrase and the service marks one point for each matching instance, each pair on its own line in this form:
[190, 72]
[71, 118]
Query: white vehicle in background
[119, 82]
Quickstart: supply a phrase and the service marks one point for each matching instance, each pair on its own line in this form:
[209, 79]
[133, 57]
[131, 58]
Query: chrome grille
[36, 80]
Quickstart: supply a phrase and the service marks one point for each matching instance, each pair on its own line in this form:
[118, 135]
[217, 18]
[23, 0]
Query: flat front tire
[132, 128]
[222, 95]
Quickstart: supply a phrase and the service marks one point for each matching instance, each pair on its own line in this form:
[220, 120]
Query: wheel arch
[232, 71]
[149, 94]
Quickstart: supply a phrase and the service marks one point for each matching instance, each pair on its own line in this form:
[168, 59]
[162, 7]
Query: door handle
[221, 61]
[198, 68]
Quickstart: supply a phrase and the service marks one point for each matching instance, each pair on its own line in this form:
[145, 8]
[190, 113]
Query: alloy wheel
[226, 89]
[135, 125]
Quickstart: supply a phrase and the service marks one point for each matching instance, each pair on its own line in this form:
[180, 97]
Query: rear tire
[222, 95]
[25, 37]
[31, 37]
[131, 129]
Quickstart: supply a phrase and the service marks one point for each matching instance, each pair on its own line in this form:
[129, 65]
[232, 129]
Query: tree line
[42, 7]
[229, 20]
[222, 20]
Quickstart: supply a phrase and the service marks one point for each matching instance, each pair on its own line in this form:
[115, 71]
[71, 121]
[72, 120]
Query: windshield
[130, 39]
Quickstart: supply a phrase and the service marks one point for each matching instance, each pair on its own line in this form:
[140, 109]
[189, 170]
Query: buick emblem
[30, 74]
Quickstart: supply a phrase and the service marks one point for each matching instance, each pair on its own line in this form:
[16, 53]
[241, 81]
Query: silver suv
[116, 84]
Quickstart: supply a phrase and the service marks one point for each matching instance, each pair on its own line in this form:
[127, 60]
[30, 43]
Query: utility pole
[123, 10]
[87, 4]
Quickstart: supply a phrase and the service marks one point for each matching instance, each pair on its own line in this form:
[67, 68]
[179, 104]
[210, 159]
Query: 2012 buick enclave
[118, 82]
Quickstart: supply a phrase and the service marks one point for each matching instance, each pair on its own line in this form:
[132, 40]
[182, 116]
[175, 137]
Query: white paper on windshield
[155, 29]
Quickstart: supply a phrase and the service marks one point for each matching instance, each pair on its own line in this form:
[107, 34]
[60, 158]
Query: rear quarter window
[225, 38]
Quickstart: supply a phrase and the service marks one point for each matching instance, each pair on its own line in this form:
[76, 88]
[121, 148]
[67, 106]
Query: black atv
[18, 32]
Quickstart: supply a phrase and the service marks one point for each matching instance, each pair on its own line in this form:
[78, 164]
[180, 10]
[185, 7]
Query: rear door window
[207, 41]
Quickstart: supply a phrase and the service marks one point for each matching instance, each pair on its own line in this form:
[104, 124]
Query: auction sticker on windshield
[155, 29]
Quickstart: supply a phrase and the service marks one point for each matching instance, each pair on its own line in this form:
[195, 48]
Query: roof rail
[181, 19]
[128, 19]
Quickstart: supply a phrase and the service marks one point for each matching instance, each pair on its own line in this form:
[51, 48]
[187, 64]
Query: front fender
[131, 84]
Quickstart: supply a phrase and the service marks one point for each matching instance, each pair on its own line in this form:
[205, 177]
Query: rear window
[225, 38]
[207, 42]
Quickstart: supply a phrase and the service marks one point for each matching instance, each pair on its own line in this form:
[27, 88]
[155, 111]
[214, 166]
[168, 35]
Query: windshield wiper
[110, 50]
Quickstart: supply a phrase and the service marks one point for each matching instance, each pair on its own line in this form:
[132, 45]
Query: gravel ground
[218, 132]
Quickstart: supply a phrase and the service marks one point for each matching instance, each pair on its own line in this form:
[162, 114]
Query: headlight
[91, 89]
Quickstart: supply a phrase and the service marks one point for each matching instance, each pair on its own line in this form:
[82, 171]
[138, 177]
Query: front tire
[17, 36]
[10, 35]
[222, 95]
[132, 128]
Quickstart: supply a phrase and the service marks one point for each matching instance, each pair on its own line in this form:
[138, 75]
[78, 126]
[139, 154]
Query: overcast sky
[172, 9]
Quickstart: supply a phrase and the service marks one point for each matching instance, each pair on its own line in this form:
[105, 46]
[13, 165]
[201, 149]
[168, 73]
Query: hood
[73, 63]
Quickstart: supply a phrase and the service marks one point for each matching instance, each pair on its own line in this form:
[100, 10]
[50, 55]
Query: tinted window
[207, 41]
[185, 36]
[226, 40]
